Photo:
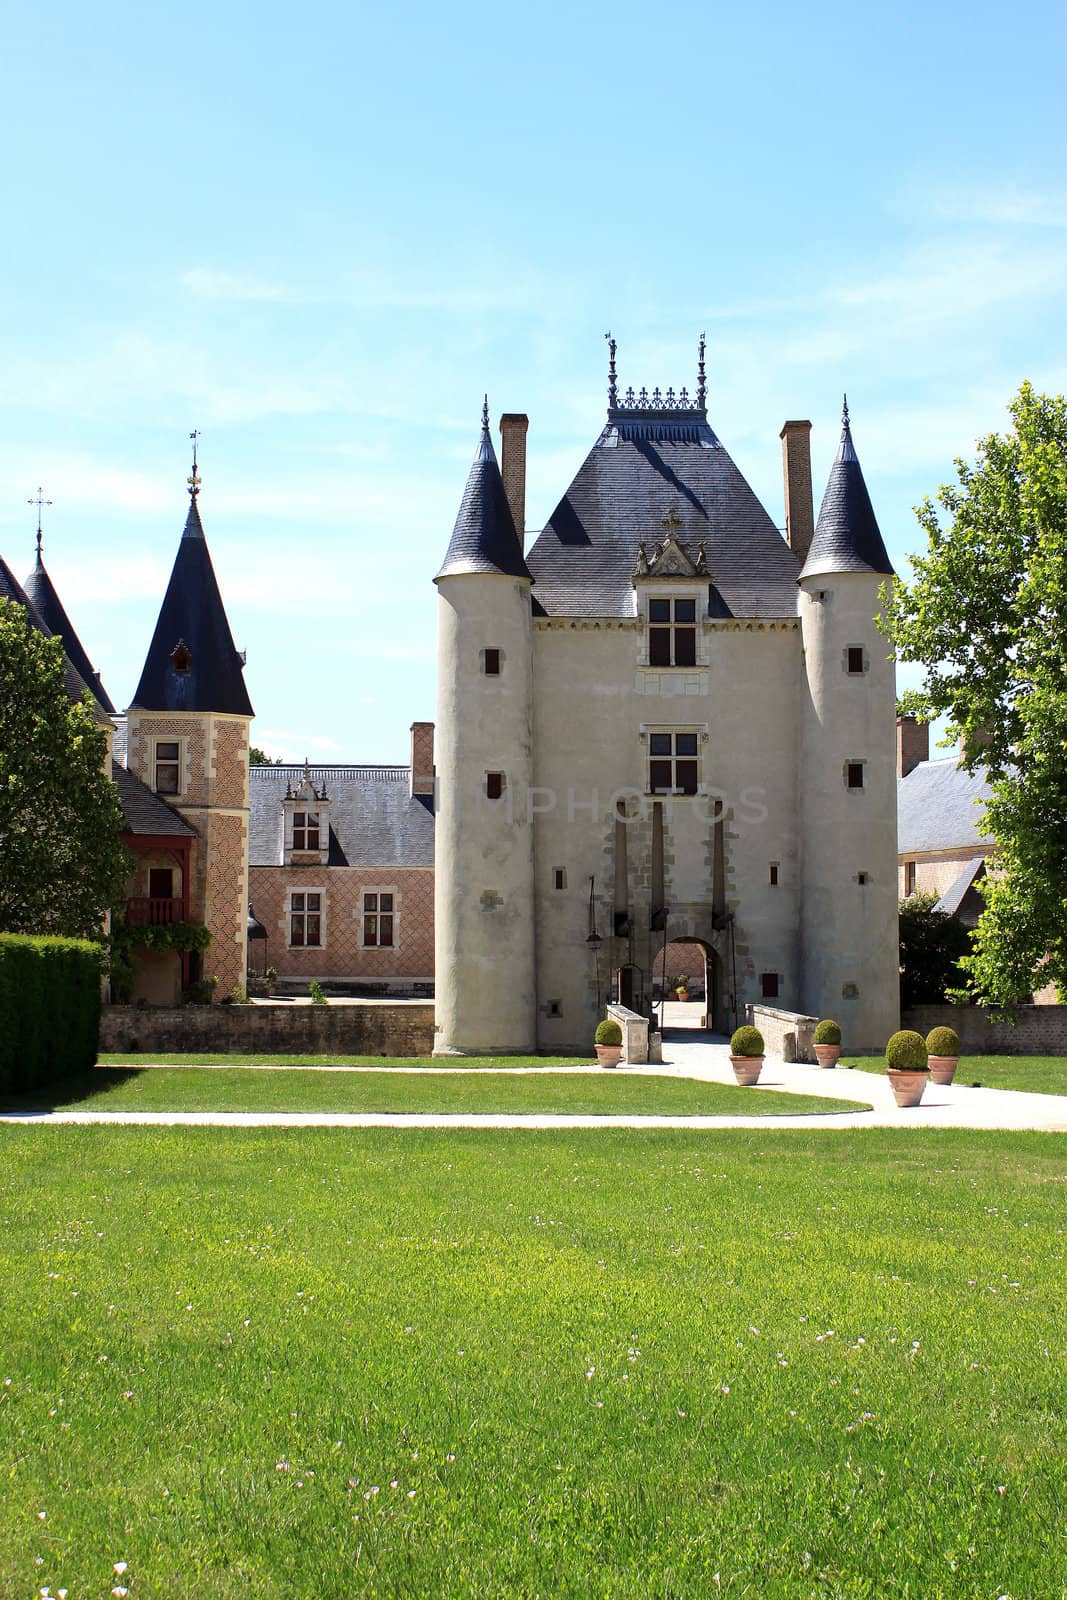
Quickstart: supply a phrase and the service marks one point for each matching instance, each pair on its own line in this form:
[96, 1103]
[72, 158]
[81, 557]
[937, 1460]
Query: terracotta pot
[907, 1087]
[747, 1069]
[943, 1068]
[608, 1054]
[826, 1054]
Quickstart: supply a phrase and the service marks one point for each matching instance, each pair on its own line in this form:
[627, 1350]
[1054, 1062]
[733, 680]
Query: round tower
[846, 782]
[484, 884]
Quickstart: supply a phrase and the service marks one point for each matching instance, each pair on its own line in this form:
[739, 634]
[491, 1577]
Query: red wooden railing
[157, 913]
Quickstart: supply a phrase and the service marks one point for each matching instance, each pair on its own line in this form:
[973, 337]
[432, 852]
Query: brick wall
[343, 955]
[1041, 1030]
[392, 1028]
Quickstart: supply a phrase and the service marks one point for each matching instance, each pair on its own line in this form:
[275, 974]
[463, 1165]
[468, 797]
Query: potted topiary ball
[943, 1045]
[827, 1042]
[905, 1066]
[746, 1055]
[608, 1040]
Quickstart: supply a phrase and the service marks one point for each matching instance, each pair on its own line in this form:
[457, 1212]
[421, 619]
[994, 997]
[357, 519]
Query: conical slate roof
[846, 535]
[192, 664]
[42, 593]
[73, 682]
[484, 537]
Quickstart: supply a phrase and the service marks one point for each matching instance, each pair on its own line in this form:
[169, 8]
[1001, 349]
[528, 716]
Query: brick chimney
[973, 743]
[796, 470]
[513, 426]
[422, 768]
[913, 744]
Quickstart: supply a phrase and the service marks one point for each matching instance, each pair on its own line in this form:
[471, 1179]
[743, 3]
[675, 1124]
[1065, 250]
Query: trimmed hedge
[49, 1008]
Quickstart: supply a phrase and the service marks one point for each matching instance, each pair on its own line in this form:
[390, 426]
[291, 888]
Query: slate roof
[953, 897]
[73, 682]
[847, 538]
[644, 464]
[484, 537]
[143, 810]
[193, 613]
[41, 591]
[939, 807]
[374, 819]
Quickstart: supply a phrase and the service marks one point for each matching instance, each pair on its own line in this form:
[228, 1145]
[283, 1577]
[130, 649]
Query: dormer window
[181, 658]
[672, 633]
[306, 830]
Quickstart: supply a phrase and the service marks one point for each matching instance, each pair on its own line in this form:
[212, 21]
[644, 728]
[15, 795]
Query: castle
[664, 722]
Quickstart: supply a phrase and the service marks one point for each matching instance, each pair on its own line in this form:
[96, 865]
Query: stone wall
[391, 1028]
[1040, 1031]
[787, 1034]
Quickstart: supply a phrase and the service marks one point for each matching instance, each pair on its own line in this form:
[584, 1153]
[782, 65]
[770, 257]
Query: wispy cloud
[1004, 206]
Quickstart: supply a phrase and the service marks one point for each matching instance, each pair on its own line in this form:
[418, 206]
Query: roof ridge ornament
[38, 500]
[702, 377]
[613, 377]
[670, 400]
[193, 480]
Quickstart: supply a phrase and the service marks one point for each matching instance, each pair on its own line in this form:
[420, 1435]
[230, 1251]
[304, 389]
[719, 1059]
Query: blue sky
[318, 234]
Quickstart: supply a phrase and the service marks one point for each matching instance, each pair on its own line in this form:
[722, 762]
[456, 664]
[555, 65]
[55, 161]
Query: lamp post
[593, 939]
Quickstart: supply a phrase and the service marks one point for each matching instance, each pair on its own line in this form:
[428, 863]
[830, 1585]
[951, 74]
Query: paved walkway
[694, 1055]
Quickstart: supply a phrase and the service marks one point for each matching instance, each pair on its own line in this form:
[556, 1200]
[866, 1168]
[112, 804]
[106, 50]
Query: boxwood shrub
[943, 1042]
[49, 1008]
[906, 1052]
[608, 1032]
[747, 1041]
[827, 1031]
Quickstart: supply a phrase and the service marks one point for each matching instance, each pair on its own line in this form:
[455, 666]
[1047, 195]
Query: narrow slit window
[855, 657]
[774, 874]
[854, 774]
[560, 876]
[495, 783]
[492, 663]
[769, 985]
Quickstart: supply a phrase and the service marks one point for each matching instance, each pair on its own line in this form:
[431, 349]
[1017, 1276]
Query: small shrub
[943, 1042]
[608, 1032]
[747, 1041]
[906, 1052]
[202, 992]
[828, 1032]
[317, 992]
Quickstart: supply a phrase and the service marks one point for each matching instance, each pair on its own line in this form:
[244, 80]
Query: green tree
[986, 616]
[260, 758]
[62, 860]
[932, 944]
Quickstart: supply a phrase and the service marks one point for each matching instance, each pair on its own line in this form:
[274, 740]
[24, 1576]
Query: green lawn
[376, 1364]
[1036, 1074]
[246, 1089]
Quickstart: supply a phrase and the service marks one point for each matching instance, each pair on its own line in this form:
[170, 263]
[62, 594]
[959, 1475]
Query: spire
[484, 537]
[47, 606]
[192, 663]
[847, 538]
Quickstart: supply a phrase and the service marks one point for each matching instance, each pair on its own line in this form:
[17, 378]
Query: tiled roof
[73, 682]
[41, 591]
[643, 466]
[484, 537]
[144, 811]
[847, 538]
[374, 819]
[939, 807]
[193, 614]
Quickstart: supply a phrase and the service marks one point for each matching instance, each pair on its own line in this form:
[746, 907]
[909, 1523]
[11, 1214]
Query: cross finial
[193, 479]
[702, 380]
[38, 500]
[672, 522]
[613, 382]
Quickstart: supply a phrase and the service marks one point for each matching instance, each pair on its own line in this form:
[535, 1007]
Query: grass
[636, 1366]
[1035, 1074]
[579, 1094]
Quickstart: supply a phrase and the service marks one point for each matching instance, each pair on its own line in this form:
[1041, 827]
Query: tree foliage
[986, 616]
[260, 758]
[932, 945]
[62, 860]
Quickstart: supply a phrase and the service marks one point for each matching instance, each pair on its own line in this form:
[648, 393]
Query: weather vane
[193, 479]
[38, 500]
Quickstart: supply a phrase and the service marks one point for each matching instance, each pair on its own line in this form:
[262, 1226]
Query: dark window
[168, 766]
[306, 830]
[909, 877]
[861, 878]
[854, 775]
[492, 663]
[855, 658]
[672, 634]
[774, 872]
[555, 1008]
[672, 766]
[769, 983]
[161, 883]
[494, 785]
[561, 877]
[378, 919]
[305, 919]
